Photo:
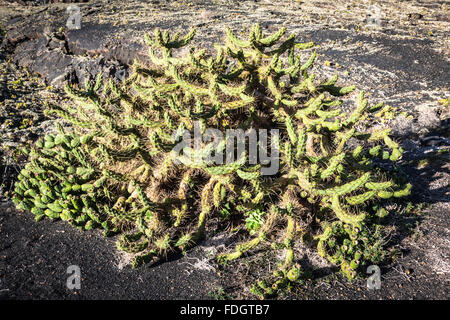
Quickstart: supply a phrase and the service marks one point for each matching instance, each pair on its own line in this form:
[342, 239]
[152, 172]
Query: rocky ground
[404, 61]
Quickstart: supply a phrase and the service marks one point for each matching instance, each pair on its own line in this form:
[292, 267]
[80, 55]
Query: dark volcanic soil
[404, 63]
[34, 258]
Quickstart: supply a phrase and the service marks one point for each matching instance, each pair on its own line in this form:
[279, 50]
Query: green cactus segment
[117, 167]
[343, 215]
[379, 185]
[332, 166]
[361, 198]
[351, 246]
[346, 188]
[406, 191]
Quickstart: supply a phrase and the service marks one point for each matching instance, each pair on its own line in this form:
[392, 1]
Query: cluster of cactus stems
[116, 167]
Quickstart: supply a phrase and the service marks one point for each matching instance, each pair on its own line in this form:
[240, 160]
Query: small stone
[415, 16]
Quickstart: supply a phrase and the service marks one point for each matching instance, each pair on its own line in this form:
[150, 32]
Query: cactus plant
[117, 168]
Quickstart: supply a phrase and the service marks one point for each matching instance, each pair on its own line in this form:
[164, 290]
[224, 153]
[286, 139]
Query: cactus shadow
[427, 167]
[170, 257]
[426, 163]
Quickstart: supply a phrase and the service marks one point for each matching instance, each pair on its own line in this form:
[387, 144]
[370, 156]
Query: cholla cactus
[118, 170]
